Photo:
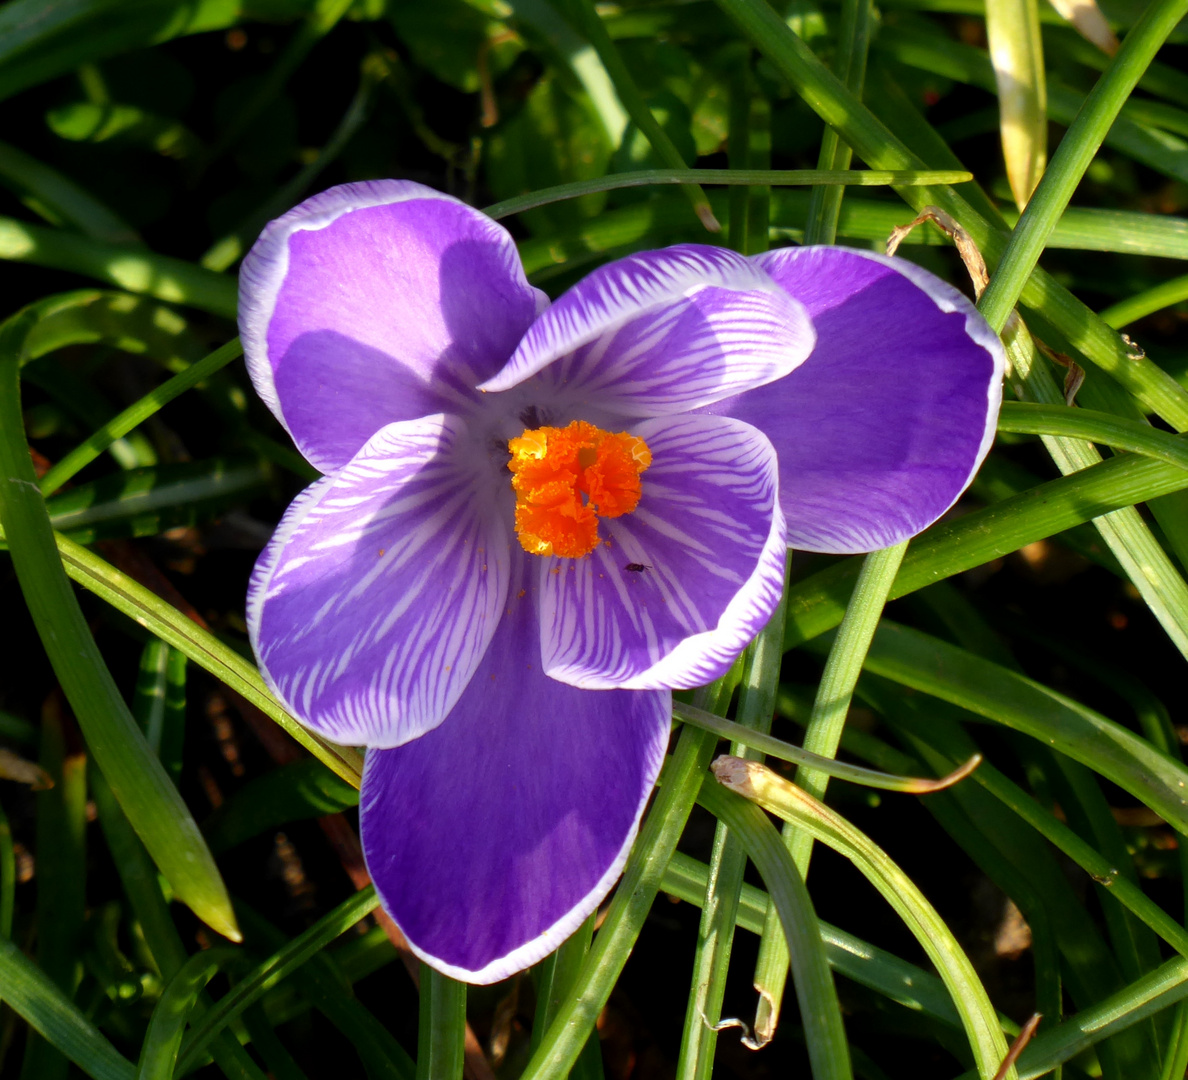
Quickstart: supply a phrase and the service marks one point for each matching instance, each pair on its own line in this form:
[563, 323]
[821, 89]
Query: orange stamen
[567, 478]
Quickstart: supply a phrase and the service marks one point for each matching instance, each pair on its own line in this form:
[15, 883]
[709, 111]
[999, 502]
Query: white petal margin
[374, 602]
[663, 332]
[494, 836]
[680, 586]
[266, 267]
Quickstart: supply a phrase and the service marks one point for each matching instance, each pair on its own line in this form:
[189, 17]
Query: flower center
[567, 478]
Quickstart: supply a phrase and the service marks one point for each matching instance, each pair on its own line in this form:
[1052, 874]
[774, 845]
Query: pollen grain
[565, 479]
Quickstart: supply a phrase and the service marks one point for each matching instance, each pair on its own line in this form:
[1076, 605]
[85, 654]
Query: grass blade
[149, 798]
[1012, 29]
[819, 1008]
[759, 784]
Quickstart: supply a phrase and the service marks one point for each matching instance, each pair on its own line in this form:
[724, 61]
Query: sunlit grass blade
[756, 706]
[575, 1019]
[821, 737]
[150, 501]
[137, 271]
[201, 646]
[27, 990]
[817, 603]
[820, 1011]
[1074, 154]
[1146, 563]
[585, 18]
[859, 960]
[1146, 303]
[1016, 51]
[1089, 21]
[171, 1014]
[136, 413]
[783, 751]
[113, 737]
[271, 971]
[935, 667]
[1098, 427]
[840, 177]
[830, 99]
[853, 37]
[1142, 999]
[759, 784]
[57, 195]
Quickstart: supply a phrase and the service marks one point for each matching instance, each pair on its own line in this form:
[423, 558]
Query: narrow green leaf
[201, 646]
[136, 414]
[870, 139]
[136, 775]
[32, 995]
[1016, 51]
[817, 603]
[587, 20]
[821, 737]
[267, 974]
[1034, 419]
[563, 1042]
[785, 800]
[1147, 996]
[820, 1011]
[1145, 303]
[1073, 156]
[554, 980]
[299, 790]
[322, 982]
[935, 667]
[63, 197]
[756, 707]
[442, 1033]
[839, 177]
[142, 272]
[172, 1013]
[40, 41]
[897, 980]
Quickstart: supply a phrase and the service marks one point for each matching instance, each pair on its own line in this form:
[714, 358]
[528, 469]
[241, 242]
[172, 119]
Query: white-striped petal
[376, 599]
[662, 332]
[683, 583]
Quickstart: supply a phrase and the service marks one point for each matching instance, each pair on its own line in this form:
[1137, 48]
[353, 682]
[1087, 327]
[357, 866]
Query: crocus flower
[536, 519]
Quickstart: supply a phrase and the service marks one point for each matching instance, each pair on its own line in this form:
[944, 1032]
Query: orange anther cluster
[567, 478]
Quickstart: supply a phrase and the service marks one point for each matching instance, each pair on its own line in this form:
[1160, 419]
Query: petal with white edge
[679, 586]
[372, 606]
[883, 427]
[662, 332]
[493, 837]
[376, 302]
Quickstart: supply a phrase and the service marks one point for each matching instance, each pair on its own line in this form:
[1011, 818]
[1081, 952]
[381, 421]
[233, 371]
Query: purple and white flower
[516, 706]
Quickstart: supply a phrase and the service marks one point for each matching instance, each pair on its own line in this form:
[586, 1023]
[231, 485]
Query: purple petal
[663, 332]
[491, 838]
[885, 424]
[373, 604]
[376, 302]
[709, 536]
